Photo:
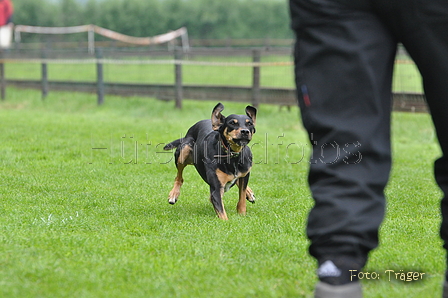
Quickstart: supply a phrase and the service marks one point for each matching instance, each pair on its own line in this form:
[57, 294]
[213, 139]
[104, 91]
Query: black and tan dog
[218, 149]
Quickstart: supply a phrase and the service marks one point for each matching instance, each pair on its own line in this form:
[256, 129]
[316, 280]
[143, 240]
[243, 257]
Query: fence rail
[409, 102]
[254, 92]
[196, 43]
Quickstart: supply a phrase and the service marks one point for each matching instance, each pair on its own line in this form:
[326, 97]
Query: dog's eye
[233, 122]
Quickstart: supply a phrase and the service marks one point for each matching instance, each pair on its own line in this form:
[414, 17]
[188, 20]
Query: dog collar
[227, 150]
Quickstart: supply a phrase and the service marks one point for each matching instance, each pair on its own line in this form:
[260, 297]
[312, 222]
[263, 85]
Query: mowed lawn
[84, 209]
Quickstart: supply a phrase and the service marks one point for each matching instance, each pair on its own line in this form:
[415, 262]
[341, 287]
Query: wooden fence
[177, 91]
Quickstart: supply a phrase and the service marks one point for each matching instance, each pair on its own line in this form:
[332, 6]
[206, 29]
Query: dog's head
[237, 130]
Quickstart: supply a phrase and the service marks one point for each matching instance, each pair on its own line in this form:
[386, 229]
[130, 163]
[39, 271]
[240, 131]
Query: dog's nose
[245, 132]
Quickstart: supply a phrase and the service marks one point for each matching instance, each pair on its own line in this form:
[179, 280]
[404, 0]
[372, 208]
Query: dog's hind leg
[178, 181]
[183, 157]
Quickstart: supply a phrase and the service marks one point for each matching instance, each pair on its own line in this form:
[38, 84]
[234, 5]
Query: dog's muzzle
[244, 137]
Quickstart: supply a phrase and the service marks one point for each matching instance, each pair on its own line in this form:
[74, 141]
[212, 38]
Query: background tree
[204, 18]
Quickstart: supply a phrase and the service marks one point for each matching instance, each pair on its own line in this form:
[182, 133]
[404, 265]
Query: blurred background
[237, 50]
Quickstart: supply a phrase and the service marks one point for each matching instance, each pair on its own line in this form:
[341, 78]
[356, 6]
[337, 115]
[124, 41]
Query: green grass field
[83, 222]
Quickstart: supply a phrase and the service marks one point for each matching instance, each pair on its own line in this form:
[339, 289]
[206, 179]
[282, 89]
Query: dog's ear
[217, 117]
[252, 113]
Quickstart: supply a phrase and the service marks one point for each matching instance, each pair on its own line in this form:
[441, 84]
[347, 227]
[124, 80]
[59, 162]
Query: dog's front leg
[242, 187]
[217, 181]
[216, 194]
[250, 196]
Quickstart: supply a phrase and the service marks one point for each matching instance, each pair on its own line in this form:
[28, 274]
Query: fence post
[44, 75]
[178, 76]
[99, 76]
[2, 77]
[256, 57]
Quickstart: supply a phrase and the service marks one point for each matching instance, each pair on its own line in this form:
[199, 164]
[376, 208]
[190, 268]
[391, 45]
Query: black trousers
[344, 57]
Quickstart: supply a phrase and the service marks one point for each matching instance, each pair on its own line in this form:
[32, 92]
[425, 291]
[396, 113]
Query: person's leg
[422, 26]
[343, 65]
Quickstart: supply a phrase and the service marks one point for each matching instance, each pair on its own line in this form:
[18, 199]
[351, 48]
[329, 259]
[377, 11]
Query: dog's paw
[250, 196]
[172, 198]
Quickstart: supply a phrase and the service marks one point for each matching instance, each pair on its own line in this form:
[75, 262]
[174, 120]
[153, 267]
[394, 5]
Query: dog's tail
[173, 144]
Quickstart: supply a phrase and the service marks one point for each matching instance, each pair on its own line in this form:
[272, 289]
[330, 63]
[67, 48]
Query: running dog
[218, 149]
